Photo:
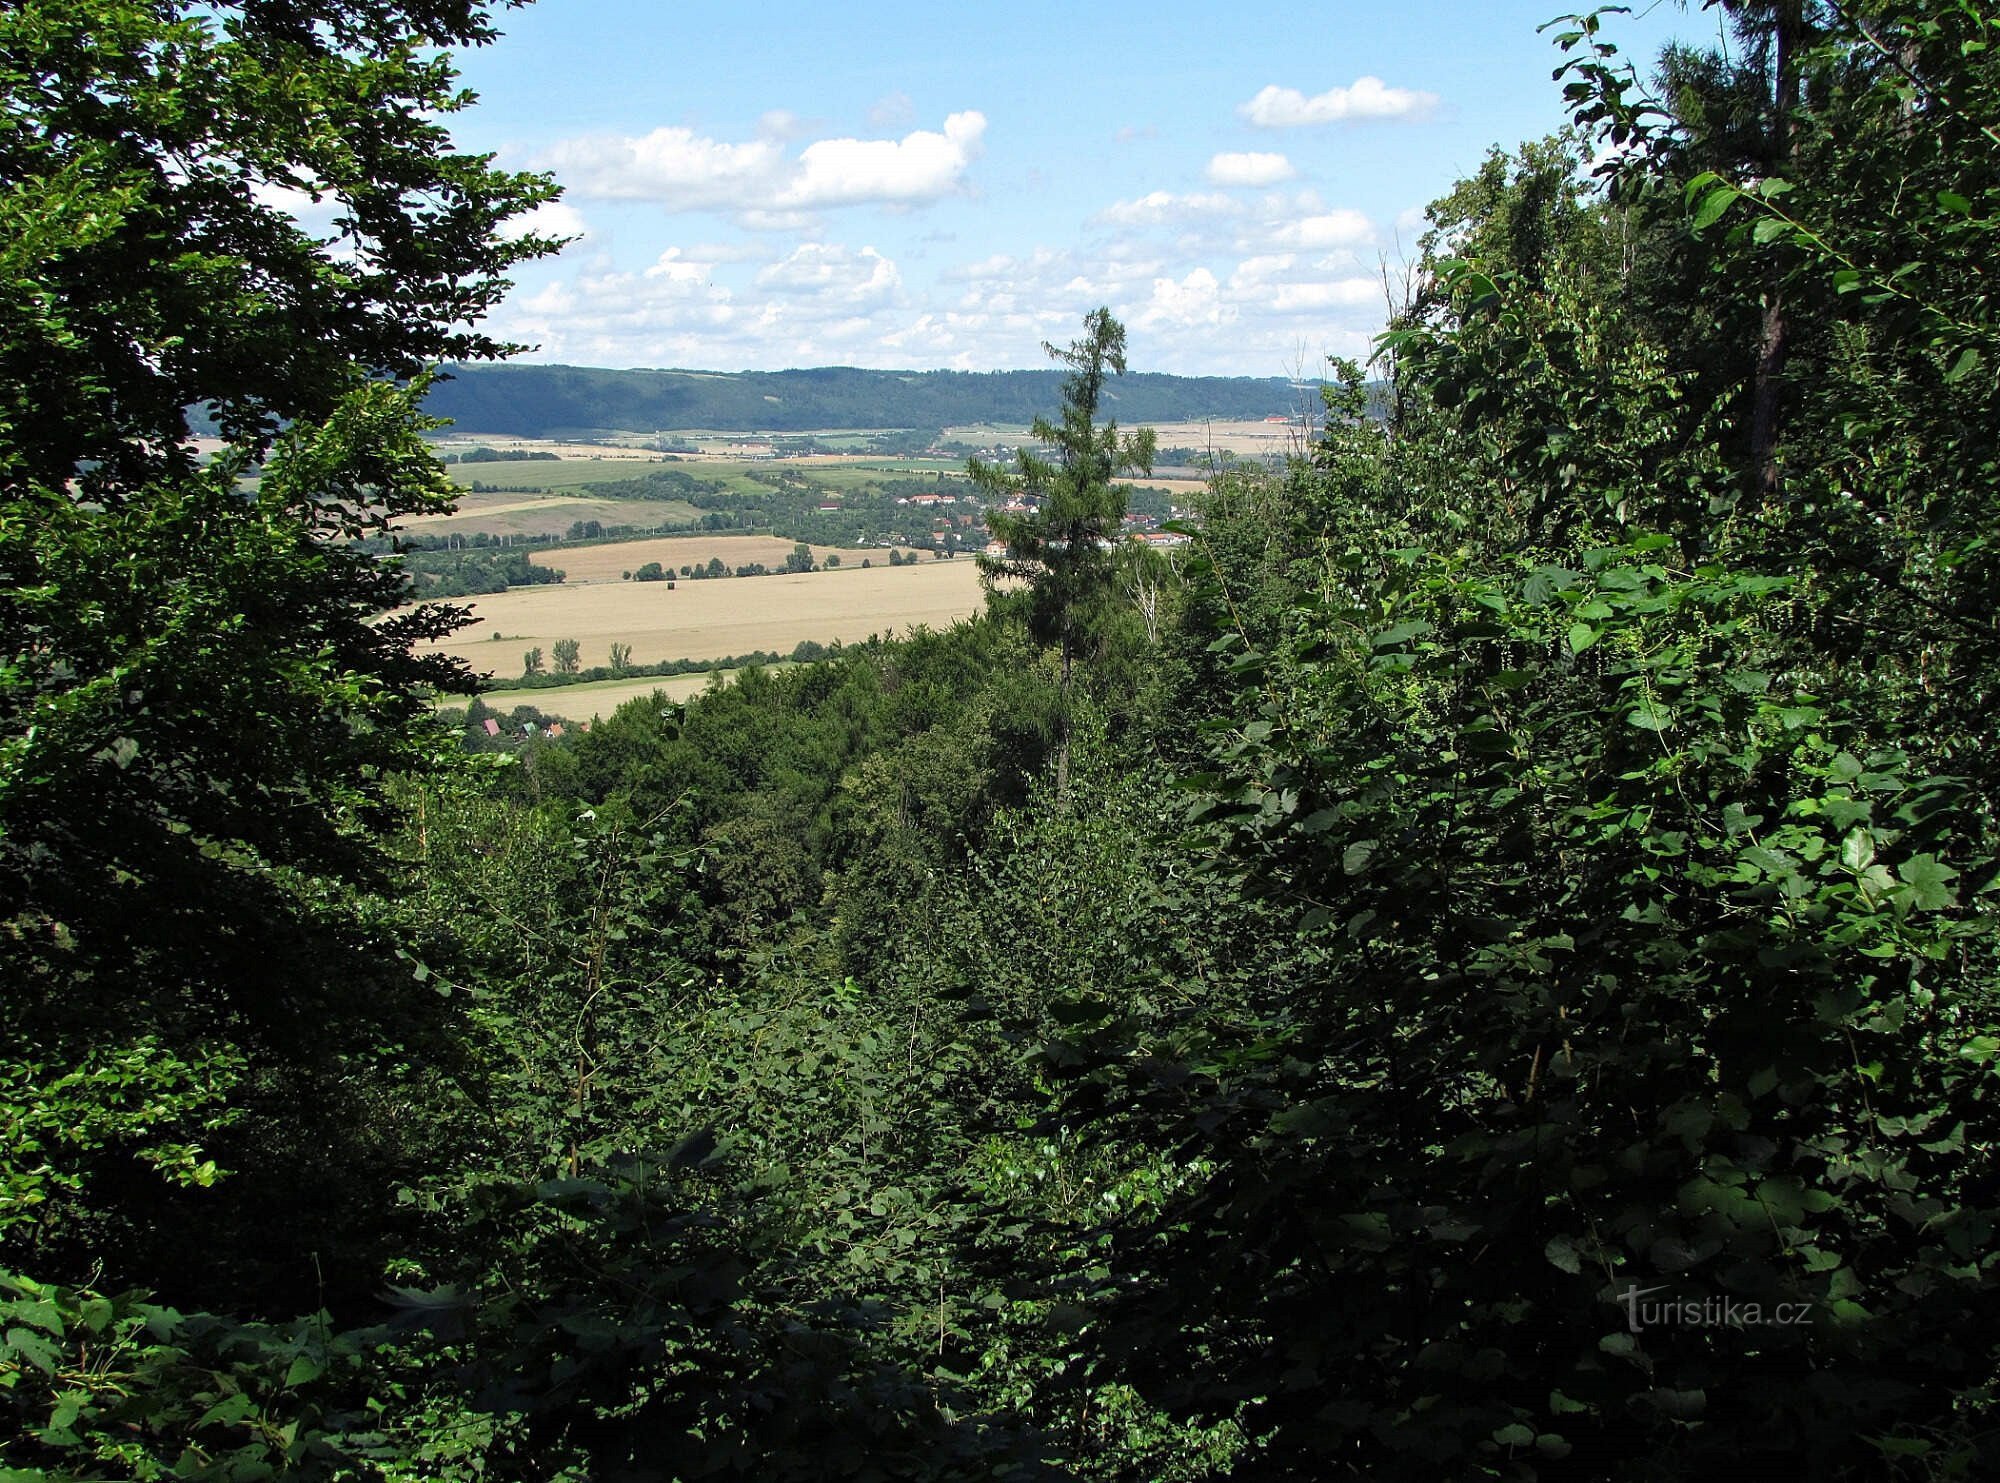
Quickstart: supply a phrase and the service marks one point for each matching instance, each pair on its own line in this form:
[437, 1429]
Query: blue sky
[901, 185]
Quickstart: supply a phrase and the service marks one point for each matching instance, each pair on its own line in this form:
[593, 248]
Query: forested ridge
[1478, 966]
[543, 401]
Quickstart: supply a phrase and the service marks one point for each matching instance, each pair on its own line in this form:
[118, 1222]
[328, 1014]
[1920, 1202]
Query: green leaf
[1562, 1253]
[1926, 885]
[1717, 201]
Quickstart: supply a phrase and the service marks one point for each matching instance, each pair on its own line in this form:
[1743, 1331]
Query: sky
[919, 186]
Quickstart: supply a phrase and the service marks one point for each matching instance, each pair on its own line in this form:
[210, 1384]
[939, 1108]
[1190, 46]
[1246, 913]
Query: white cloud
[918, 167]
[1249, 169]
[675, 167]
[550, 219]
[1195, 300]
[1341, 293]
[832, 273]
[1369, 97]
[316, 217]
[1338, 228]
[1163, 206]
[755, 180]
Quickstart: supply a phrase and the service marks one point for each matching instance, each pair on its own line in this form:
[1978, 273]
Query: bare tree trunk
[1774, 339]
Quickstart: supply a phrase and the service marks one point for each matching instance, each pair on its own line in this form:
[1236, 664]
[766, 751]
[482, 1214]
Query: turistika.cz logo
[1642, 1311]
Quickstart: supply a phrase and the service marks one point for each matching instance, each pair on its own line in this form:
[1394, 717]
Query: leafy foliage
[1499, 981]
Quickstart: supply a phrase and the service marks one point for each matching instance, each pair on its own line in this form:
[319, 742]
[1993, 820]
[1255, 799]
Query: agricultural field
[598, 697]
[609, 563]
[713, 619]
[554, 474]
[1243, 439]
[515, 513]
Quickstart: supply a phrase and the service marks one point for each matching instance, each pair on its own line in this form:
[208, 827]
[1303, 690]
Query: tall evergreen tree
[1062, 544]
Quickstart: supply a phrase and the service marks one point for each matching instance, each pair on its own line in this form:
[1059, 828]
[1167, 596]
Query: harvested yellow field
[512, 513]
[715, 619]
[1253, 439]
[610, 563]
[587, 702]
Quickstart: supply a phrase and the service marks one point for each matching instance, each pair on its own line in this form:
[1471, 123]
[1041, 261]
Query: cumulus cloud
[757, 180]
[1249, 169]
[1338, 228]
[918, 167]
[675, 167]
[1369, 98]
[1163, 206]
[832, 273]
[315, 216]
[550, 219]
[1183, 303]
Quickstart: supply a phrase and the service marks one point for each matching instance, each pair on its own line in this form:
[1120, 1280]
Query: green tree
[1619, 845]
[621, 658]
[531, 662]
[1063, 546]
[199, 715]
[568, 656]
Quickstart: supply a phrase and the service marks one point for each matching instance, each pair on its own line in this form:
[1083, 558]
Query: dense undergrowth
[1481, 969]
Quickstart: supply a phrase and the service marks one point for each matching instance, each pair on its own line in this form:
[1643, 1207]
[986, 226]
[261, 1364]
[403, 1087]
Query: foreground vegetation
[1483, 971]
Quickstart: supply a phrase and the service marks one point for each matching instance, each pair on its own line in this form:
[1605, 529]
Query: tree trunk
[1773, 344]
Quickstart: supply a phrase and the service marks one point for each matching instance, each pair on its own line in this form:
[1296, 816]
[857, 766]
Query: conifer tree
[1062, 543]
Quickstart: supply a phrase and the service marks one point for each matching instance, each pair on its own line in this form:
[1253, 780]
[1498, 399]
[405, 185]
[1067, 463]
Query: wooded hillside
[544, 401]
[1479, 965]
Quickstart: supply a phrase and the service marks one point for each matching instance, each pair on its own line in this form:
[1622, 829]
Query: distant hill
[543, 401]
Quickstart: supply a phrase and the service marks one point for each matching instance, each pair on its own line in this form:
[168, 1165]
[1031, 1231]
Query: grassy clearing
[707, 620]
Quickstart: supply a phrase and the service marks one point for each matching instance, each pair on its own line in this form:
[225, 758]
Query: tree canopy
[1481, 967]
